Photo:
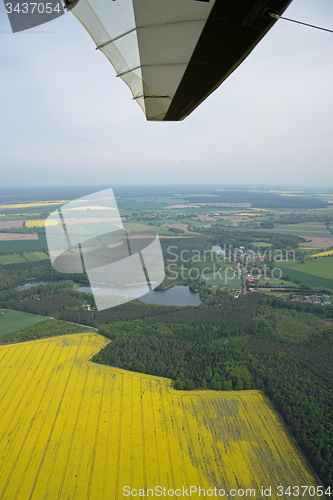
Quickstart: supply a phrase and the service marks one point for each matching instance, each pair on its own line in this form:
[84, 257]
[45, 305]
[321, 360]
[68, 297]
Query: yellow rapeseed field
[39, 204]
[262, 210]
[323, 254]
[92, 207]
[71, 429]
[40, 223]
[250, 214]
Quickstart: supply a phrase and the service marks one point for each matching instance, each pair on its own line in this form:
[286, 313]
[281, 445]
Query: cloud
[65, 116]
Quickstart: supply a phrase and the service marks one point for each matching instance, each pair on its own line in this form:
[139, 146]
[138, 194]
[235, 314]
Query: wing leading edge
[174, 53]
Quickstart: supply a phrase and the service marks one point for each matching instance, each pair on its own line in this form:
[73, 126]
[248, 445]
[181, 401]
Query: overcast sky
[67, 120]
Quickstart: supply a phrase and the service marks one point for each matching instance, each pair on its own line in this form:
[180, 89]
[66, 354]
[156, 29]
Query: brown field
[74, 430]
[235, 218]
[184, 227]
[10, 224]
[206, 218]
[317, 242]
[17, 236]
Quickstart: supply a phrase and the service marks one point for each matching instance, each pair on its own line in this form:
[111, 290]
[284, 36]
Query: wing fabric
[174, 53]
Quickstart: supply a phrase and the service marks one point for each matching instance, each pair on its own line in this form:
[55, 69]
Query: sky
[66, 120]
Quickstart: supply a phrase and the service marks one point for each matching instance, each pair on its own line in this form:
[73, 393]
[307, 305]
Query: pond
[33, 283]
[176, 296]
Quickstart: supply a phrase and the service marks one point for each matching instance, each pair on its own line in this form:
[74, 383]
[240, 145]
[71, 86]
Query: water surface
[33, 283]
[176, 296]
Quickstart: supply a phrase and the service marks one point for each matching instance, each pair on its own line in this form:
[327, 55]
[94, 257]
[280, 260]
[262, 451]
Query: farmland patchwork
[72, 429]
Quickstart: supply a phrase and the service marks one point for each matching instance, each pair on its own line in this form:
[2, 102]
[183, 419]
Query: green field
[22, 216]
[224, 278]
[161, 230]
[277, 283]
[16, 258]
[314, 229]
[262, 244]
[25, 245]
[33, 256]
[13, 321]
[11, 259]
[317, 272]
[311, 226]
[295, 232]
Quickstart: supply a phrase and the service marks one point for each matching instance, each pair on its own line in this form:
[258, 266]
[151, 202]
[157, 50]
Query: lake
[33, 283]
[176, 296]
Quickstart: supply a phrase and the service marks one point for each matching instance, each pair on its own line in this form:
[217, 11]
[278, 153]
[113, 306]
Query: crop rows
[71, 429]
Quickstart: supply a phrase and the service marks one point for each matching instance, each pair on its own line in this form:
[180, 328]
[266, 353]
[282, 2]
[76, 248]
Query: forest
[256, 341]
[295, 371]
[260, 200]
[13, 274]
[281, 347]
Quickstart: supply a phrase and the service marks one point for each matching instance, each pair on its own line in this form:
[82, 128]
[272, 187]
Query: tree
[179, 384]
[215, 385]
[267, 225]
[240, 385]
[189, 385]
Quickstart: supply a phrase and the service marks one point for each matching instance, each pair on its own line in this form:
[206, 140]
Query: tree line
[254, 342]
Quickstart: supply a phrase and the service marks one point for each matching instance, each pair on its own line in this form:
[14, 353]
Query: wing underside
[173, 53]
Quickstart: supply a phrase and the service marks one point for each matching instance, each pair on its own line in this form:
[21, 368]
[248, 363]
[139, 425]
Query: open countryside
[315, 272]
[74, 429]
[12, 321]
[324, 254]
[23, 257]
[278, 339]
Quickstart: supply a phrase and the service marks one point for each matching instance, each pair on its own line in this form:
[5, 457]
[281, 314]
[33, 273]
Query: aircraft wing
[174, 53]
